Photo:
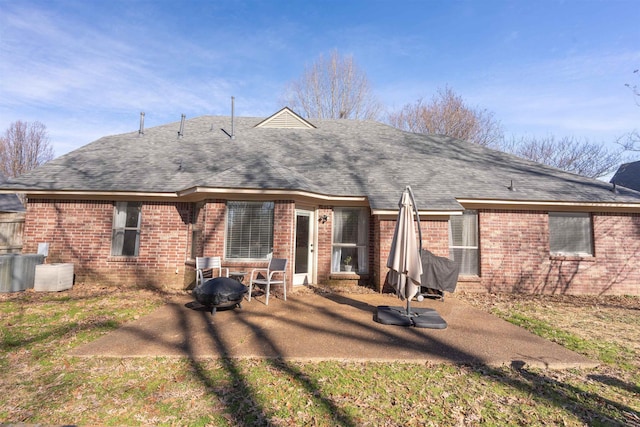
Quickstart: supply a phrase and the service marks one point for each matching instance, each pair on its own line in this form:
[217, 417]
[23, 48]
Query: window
[249, 230]
[570, 233]
[125, 240]
[463, 241]
[350, 250]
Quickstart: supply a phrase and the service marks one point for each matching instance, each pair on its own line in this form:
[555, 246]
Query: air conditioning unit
[17, 271]
[53, 277]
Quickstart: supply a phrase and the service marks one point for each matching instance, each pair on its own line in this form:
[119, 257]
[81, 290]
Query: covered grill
[439, 274]
[220, 292]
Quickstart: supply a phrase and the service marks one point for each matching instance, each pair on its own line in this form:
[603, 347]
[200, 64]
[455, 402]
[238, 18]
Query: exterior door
[304, 251]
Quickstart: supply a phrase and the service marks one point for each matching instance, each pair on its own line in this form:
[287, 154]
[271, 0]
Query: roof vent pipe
[511, 187]
[614, 190]
[181, 131]
[141, 131]
[233, 134]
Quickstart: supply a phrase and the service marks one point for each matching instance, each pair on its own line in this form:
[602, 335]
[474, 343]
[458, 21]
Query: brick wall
[514, 254]
[514, 247]
[80, 232]
[213, 218]
[435, 238]
[323, 249]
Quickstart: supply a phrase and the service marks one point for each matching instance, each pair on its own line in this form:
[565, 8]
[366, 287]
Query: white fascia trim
[384, 212]
[268, 192]
[191, 192]
[99, 194]
[546, 204]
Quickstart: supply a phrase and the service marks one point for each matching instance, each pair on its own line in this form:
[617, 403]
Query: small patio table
[237, 275]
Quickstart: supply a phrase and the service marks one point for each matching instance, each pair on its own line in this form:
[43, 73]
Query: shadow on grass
[243, 404]
[244, 407]
[590, 408]
[587, 406]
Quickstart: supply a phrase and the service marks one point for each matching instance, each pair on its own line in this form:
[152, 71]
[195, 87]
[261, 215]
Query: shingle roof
[337, 158]
[9, 202]
[628, 175]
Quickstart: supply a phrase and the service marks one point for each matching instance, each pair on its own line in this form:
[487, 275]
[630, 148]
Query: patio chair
[276, 266]
[205, 266]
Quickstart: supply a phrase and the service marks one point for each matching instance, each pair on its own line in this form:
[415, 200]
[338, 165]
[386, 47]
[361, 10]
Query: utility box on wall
[53, 277]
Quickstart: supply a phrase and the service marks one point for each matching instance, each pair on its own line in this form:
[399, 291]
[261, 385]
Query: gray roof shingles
[628, 175]
[338, 158]
[9, 202]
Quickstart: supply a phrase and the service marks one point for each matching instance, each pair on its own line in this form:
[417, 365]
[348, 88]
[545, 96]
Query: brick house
[137, 208]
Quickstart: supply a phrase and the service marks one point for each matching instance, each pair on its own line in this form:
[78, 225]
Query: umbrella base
[418, 317]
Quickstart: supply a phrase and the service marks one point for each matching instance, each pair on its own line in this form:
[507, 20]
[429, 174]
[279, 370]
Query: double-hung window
[463, 241]
[350, 250]
[125, 240]
[570, 233]
[249, 230]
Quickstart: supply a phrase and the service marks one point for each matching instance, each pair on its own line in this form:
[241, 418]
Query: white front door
[304, 250]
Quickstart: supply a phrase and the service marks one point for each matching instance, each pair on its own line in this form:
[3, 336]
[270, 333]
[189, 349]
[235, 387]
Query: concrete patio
[314, 327]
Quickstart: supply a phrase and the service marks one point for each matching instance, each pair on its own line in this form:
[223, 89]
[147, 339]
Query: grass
[40, 383]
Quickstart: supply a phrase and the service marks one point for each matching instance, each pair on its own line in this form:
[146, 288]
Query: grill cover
[220, 291]
[438, 272]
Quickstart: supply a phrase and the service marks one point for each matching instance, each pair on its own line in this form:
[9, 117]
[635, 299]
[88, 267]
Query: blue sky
[87, 68]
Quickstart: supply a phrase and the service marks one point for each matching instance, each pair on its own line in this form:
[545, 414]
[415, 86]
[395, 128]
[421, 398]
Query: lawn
[41, 384]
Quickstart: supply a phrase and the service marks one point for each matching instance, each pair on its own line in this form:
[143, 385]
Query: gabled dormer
[285, 119]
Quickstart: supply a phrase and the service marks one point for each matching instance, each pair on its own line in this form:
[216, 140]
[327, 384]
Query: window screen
[570, 233]
[249, 229]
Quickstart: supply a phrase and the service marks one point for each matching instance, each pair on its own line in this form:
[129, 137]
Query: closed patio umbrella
[405, 270]
[404, 259]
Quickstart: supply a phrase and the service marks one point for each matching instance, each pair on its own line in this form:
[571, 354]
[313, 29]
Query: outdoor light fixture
[323, 218]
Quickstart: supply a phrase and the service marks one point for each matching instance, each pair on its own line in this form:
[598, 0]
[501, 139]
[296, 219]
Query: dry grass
[41, 384]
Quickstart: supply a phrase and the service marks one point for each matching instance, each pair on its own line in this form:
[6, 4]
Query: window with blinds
[463, 241]
[350, 251]
[570, 233]
[249, 230]
[125, 240]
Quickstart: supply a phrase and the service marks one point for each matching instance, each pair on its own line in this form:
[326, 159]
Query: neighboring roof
[628, 175]
[9, 202]
[337, 158]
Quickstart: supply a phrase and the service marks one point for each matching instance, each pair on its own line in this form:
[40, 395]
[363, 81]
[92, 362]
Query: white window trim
[362, 248]
[476, 247]
[121, 208]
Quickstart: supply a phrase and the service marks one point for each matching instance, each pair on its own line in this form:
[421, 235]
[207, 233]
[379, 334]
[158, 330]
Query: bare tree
[631, 141]
[23, 147]
[584, 158]
[333, 88]
[448, 114]
[635, 88]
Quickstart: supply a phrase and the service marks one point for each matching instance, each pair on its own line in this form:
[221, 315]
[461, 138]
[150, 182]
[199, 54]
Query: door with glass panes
[304, 250]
